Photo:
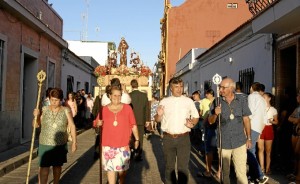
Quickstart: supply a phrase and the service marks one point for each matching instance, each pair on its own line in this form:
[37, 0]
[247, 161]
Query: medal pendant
[231, 116]
[54, 125]
[115, 123]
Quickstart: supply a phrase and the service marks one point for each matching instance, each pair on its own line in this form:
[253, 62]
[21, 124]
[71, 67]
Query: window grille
[246, 77]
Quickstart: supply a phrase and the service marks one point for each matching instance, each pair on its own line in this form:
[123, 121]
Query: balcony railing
[257, 6]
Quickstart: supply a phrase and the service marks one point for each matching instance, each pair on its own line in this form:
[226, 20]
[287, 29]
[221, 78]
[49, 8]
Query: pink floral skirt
[115, 159]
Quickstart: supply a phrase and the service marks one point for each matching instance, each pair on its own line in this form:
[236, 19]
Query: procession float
[137, 70]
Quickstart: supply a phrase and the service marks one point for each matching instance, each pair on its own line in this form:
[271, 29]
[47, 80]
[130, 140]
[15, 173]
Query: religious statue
[122, 49]
[135, 59]
[112, 59]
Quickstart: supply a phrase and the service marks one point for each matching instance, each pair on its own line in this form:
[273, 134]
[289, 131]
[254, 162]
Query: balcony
[275, 16]
[256, 6]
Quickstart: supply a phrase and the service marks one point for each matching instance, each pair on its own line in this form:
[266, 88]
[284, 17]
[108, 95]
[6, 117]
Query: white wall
[80, 72]
[255, 52]
[97, 50]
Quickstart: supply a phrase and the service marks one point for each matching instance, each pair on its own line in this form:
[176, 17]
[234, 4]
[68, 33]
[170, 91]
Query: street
[82, 168]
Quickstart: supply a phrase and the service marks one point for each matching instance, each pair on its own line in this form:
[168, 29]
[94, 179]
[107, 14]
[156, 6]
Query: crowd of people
[239, 128]
[252, 132]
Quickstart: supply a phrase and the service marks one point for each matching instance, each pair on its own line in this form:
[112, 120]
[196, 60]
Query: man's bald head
[227, 87]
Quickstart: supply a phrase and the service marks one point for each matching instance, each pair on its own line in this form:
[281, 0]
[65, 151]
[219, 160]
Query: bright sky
[136, 20]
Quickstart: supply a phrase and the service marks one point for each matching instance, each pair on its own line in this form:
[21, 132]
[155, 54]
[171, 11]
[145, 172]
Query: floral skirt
[115, 159]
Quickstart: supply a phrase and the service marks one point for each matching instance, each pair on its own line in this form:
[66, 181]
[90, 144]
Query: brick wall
[19, 34]
[200, 24]
[48, 14]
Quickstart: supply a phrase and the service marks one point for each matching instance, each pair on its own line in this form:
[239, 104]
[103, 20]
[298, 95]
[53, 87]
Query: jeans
[179, 147]
[255, 171]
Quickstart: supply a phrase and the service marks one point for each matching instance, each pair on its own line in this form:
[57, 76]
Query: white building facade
[98, 50]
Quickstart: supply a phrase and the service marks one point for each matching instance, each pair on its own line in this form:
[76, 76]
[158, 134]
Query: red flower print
[110, 154]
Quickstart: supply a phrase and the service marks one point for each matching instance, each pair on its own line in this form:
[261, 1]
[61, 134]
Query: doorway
[286, 77]
[28, 94]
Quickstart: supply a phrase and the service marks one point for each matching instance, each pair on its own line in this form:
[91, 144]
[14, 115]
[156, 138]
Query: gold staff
[100, 81]
[41, 76]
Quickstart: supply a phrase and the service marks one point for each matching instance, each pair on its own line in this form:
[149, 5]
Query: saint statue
[122, 49]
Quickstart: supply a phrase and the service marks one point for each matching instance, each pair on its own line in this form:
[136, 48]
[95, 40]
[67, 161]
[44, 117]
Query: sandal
[203, 174]
[269, 172]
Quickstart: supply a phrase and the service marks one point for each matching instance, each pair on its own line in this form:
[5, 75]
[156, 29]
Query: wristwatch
[249, 139]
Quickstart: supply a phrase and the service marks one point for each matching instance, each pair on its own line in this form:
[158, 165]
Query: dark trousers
[179, 148]
[141, 129]
[254, 168]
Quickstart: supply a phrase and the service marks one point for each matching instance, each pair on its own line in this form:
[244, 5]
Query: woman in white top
[71, 103]
[267, 136]
[89, 106]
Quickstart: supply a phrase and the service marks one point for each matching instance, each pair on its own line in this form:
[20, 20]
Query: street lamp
[159, 68]
[160, 72]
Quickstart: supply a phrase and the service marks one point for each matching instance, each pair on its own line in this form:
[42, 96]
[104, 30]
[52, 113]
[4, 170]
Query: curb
[19, 160]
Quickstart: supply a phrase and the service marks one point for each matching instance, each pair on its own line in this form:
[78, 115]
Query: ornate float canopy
[111, 69]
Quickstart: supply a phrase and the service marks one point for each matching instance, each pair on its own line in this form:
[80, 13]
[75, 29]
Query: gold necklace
[54, 115]
[231, 116]
[115, 110]
[115, 123]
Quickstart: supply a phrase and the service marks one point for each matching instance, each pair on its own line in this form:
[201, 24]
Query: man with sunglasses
[236, 130]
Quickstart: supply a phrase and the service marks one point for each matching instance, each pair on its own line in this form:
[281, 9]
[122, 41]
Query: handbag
[69, 134]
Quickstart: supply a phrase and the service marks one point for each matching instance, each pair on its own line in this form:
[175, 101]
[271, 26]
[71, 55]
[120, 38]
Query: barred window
[246, 77]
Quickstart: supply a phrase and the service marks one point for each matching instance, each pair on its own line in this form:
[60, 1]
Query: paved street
[81, 167]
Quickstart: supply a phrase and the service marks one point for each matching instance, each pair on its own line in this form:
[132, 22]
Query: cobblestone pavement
[82, 168]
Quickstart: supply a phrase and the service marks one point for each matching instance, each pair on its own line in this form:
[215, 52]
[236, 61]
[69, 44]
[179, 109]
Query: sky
[138, 21]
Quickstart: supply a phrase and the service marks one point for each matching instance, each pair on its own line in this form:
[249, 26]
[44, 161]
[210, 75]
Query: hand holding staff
[217, 80]
[41, 76]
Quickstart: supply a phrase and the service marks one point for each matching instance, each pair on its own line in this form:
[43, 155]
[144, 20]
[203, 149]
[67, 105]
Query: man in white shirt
[258, 119]
[258, 106]
[177, 115]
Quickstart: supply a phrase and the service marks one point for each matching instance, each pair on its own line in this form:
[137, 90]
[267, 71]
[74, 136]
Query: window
[207, 85]
[70, 83]
[1, 70]
[195, 85]
[232, 5]
[78, 86]
[86, 87]
[51, 74]
[246, 77]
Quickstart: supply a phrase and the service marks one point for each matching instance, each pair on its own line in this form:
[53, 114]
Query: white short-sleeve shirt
[176, 111]
[271, 112]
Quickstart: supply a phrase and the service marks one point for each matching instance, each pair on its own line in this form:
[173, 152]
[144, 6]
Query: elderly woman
[53, 139]
[118, 125]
